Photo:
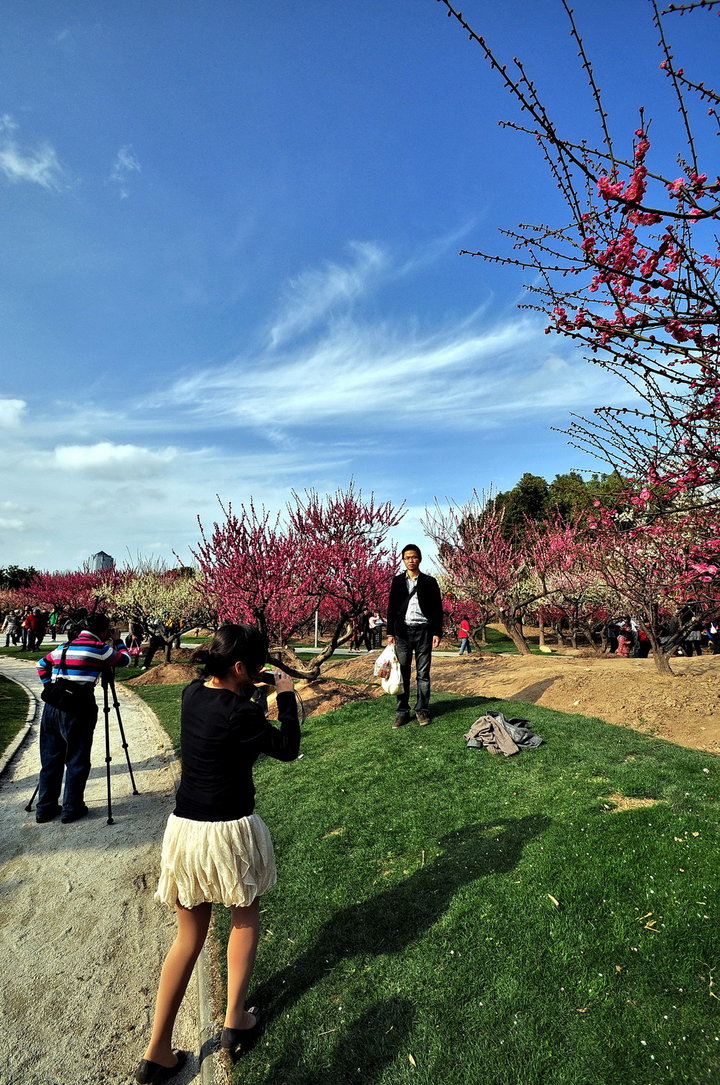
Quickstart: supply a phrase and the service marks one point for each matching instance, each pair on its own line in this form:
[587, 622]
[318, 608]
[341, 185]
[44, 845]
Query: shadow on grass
[439, 707]
[392, 920]
[372, 1042]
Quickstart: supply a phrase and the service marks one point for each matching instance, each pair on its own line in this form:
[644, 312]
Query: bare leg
[241, 950]
[192, 930]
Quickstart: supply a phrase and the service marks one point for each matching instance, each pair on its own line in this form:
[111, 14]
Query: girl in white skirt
[215, 848]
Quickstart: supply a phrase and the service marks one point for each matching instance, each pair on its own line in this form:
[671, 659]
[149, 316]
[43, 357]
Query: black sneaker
[401, 719]
[47, 815]
[74, 815]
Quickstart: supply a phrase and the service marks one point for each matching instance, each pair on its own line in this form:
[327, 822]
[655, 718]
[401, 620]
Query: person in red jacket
[464, 636]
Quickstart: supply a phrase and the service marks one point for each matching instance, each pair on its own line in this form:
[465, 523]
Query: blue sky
[231, 236]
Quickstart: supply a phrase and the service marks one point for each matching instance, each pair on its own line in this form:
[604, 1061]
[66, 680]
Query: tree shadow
[392, 920]
[370, 1044]
[532, 694]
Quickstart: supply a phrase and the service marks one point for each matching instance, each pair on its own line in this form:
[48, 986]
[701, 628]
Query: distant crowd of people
[626, 637]
[30, 625]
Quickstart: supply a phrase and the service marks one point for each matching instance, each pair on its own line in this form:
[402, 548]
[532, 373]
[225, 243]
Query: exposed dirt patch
[325, 695]
[165, 674]
[622, 802]
[684, 709]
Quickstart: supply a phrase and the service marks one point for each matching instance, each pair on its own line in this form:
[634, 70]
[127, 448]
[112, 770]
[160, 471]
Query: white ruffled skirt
[226, 862]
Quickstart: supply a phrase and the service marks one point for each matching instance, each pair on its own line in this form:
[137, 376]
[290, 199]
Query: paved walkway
[82, 939]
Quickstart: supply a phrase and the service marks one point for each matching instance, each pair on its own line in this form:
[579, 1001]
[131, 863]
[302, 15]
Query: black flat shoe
[152, 1073]
[47, 815]
[237, 1041]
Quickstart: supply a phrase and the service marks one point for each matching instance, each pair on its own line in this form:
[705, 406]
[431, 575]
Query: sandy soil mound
[165, 674]
[684, 709]
[325, 695]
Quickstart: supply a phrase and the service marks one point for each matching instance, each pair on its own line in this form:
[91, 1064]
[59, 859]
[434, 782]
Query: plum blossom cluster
[633, 275]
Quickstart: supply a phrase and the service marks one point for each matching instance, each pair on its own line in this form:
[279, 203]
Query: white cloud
[125, 163]
[316, 293]
[359, 376]
[108, 460]
[11, 525]
[11, 412]
[38, 166]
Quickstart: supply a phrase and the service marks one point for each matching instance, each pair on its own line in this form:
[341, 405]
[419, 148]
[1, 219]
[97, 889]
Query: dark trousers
[418, 640]
[154, 645]
[65, 744]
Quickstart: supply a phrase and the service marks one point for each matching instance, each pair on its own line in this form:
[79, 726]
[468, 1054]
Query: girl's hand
[283, 682]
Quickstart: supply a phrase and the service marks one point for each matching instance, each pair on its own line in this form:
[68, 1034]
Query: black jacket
[428, 596]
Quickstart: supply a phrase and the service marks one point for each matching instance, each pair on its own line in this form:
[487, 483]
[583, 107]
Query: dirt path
[82, 938]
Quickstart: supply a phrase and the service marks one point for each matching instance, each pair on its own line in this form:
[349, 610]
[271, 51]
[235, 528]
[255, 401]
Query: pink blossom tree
[662, 571]
[484, 566]
[327, 554]
[574, 594]
[68, 591]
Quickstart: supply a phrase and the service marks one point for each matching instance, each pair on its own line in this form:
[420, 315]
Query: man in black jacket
[414, 624]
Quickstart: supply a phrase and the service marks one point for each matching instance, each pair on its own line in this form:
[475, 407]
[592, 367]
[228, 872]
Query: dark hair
[411, 546]
[233, 644]
[97, 623]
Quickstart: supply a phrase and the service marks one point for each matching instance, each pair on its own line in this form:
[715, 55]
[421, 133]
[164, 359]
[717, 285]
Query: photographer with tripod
[69, 674]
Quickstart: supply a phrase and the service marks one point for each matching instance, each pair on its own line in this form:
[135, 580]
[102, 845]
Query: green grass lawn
[448, 917]
[413, 934]
[499, 641]
[165, 703]
[13, 710]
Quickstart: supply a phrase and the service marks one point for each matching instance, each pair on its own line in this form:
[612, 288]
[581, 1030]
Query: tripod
[108, 685]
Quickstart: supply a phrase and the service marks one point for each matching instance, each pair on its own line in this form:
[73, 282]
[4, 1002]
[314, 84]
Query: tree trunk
[662, 663]
[514, 632]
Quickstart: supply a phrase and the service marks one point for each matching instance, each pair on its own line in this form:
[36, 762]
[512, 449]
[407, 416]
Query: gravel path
[82, 938]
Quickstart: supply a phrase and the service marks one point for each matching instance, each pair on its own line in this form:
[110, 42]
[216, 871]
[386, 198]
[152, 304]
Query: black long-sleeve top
[222, 734]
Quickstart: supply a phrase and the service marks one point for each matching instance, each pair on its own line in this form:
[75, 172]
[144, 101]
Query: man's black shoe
[47, 815]
[401, 719]
[74, 815]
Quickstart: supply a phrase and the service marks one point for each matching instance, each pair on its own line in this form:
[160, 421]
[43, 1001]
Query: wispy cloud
[317, 293]
[124, 165]
[358, 376]
[39, 165]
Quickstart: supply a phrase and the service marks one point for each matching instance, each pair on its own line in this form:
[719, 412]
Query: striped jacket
[87, 656]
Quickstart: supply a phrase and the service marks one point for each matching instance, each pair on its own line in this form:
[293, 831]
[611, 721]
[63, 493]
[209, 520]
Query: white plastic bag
[384, 662]
[393, 683]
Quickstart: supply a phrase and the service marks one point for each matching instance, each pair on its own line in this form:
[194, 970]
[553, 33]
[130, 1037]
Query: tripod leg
[108, 758]
[116, 705]
[32, 800]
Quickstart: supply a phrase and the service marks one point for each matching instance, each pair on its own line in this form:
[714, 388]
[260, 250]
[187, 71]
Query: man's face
[411, 558]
